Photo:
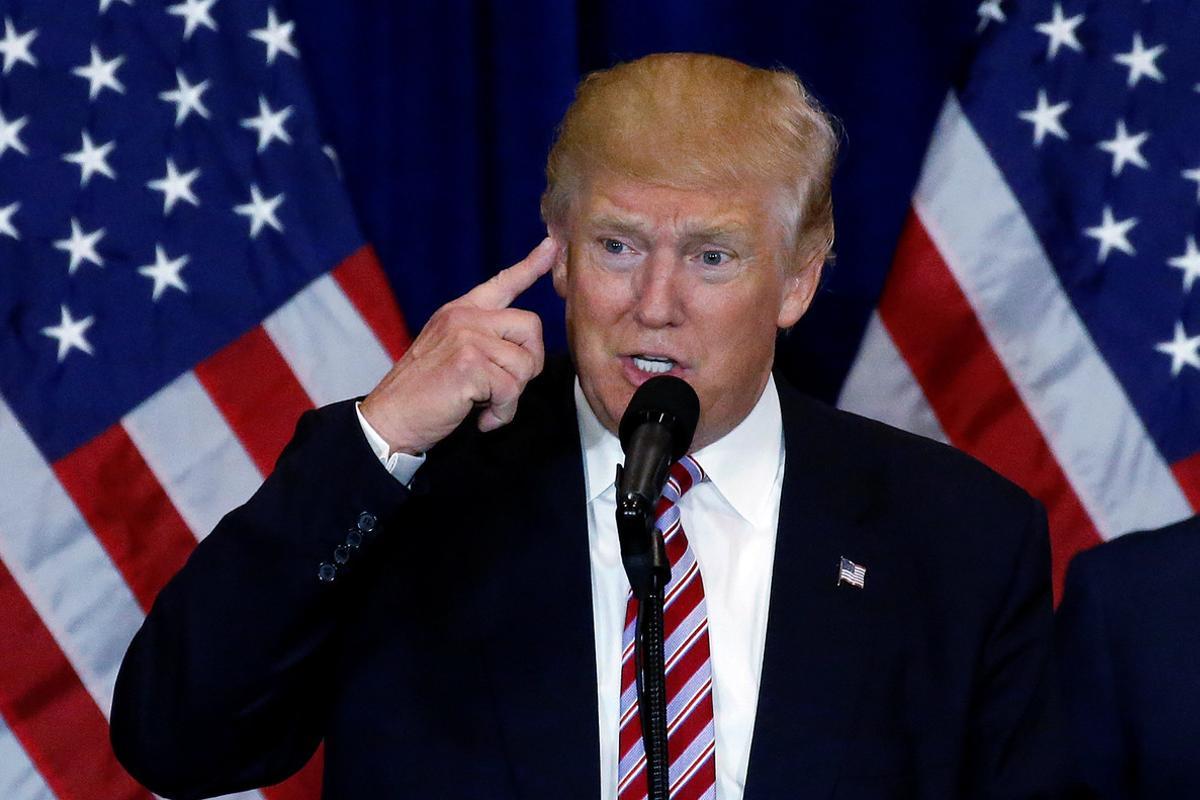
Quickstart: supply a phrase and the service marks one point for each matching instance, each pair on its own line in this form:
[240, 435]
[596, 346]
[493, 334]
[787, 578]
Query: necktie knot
[685, 473]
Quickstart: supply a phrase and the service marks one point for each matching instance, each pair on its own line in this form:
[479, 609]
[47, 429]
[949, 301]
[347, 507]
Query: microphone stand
[645, 557]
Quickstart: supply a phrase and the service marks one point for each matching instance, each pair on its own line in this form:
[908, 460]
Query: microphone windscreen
[668, 400]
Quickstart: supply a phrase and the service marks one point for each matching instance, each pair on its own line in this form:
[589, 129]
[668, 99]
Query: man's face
[691, 283]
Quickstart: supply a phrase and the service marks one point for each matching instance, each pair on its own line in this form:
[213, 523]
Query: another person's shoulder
[1142, 559]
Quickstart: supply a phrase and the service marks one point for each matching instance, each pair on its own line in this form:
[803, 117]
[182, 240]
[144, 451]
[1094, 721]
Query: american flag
[181, 276]
[1039, 310]
[851, 573]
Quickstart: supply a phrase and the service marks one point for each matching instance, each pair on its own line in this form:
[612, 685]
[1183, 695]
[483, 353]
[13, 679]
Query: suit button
[326, 572]
[353, 539]
[366, 522]
[341, 554]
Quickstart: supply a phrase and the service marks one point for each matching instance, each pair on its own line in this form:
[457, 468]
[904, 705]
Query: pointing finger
[507, 284]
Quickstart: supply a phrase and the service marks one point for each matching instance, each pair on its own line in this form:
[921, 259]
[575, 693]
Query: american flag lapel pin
[851, 573]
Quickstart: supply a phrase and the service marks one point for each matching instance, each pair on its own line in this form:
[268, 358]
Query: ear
[558, 272]
[799, 289]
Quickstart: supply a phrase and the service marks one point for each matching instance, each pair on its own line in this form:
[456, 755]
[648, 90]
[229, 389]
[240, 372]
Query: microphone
[656, 429]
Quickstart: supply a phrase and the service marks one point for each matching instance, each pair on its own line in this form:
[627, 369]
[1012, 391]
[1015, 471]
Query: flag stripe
[881, 386]
[19, 777]
[132, 517]
[981, 232]
[1187, 472]
[257, 393]
[331, 350]
[936, 330]
[365, 284]
[193, 453]
[49, 710]
[305, 784]
[65, 573]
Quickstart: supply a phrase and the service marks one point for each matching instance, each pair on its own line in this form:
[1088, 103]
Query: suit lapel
[542, 656]
[820, 635]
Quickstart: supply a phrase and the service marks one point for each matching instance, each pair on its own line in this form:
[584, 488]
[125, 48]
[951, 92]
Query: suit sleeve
[225, 686]
[1016, 742]
[1089, 688]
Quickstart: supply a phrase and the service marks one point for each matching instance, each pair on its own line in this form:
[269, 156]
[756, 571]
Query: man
[867, 613]
[1128, 640]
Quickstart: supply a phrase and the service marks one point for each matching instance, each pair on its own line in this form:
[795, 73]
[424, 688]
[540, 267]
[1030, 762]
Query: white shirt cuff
[402, 466]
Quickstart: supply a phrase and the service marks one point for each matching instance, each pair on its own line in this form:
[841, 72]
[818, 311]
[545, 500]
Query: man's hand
[475, 352]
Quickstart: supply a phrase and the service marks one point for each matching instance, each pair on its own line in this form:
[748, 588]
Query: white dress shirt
[730, 522]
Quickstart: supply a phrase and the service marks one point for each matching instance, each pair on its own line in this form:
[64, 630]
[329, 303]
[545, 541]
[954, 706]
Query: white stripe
[333, 352]
[881, 386]
[193, 453]
[61, 567]
[19, 778]
[1093, 430]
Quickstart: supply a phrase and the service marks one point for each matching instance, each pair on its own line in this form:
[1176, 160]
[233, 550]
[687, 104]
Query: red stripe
[257, 393]
[700, 781]
[50, 712]
[1187, 473]
[936, 331]
[363, 281]
[127, 509]
[681, 738]
[305, 784]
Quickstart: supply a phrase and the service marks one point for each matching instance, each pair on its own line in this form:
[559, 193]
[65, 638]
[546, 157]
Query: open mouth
[653, 364]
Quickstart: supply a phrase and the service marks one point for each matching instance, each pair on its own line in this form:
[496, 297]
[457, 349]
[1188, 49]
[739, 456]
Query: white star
[277, 36]
[187, 98]
[101, 74]
[104, 4]
[1125, 149]
[260, 211]
[70, 333]
[10, 135]
[1061, 32]
[1182, 349]
[91, 159]
[1193, 175]
[81, 246]
[1111, 233]
[1140, 61]
[6, 224]
[195, 13]
[1045, 118]
[15, 47]
[989, 11]
[269, 124]
[175, 186]
[164, 272]
[1189, 262]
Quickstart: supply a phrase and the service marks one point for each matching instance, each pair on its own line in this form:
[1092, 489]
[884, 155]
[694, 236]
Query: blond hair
[690, 120]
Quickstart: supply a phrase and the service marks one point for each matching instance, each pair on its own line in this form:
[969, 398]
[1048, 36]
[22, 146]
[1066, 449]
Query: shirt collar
[743, 464]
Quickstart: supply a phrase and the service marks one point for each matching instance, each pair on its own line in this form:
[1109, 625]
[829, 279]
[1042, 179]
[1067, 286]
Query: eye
[614, 246]
[713, 258]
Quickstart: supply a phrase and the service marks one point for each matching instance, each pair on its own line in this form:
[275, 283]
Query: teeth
[653, 365]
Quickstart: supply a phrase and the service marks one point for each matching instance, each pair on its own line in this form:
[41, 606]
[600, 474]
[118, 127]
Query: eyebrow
[634, 227]
[623, 225]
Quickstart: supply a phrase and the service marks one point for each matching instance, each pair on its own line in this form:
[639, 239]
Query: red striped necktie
[691, 741]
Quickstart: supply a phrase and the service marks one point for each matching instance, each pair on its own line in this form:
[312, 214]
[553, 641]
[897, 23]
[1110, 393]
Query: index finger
[507, 284]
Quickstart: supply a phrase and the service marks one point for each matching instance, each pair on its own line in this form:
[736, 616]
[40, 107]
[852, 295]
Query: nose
[657, 288]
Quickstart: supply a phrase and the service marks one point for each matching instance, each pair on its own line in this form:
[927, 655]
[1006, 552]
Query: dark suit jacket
[1129, 639]
[453, 656]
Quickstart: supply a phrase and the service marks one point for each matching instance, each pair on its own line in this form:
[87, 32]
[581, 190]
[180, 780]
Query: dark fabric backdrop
[442, 114]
